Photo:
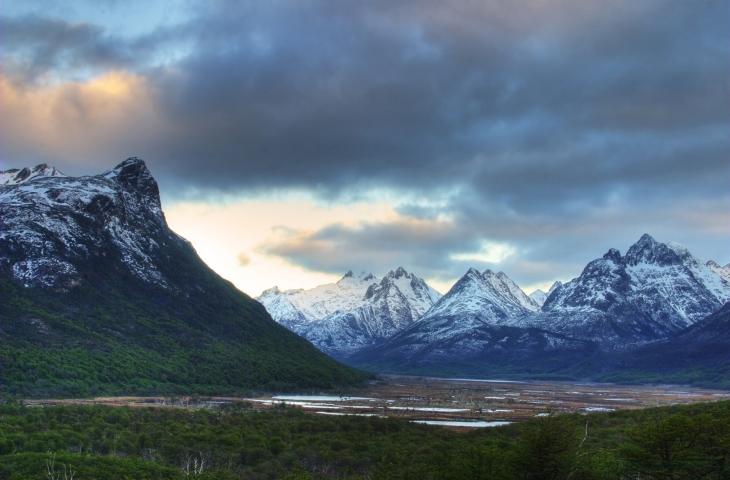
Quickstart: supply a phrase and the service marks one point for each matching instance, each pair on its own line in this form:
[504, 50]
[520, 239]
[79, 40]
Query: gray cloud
[551, 120]
[542, 248]
[34, 46]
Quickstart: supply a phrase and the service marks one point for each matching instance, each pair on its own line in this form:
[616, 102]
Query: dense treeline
[238, 443]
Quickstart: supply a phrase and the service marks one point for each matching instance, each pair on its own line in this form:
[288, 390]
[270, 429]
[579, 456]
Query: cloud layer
[543, 126]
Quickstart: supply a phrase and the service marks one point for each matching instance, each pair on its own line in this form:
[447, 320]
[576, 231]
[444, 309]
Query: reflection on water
[462, 423]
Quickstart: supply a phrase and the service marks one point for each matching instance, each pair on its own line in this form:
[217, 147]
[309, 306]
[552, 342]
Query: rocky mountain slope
[698, 354]
[100, 296]
[357, 311]
[653, 291]
[15, 176]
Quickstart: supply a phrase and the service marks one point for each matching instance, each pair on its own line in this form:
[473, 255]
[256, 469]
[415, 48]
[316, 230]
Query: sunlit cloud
[73, 122]
[490, 252]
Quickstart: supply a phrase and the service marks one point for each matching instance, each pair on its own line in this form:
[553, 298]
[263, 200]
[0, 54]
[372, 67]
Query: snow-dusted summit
[355, 312]
[653, 291]
[538, 296]
[15, 176]
[482, 316]
[52, 226]
[295, 309]
[723, 272]
[483, 297]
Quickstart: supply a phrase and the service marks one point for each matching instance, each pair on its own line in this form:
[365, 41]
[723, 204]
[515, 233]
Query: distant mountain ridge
[481, 320]
[100, 296]
[618, 304]
[16, 176]
[357, 311]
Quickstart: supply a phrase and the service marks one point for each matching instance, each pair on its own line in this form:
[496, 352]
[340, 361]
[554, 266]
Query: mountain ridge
[617, 304]
[102, 297]
[366, 309]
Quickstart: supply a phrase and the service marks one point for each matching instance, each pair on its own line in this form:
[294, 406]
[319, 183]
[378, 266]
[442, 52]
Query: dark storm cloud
[556, 123]
[413, 95]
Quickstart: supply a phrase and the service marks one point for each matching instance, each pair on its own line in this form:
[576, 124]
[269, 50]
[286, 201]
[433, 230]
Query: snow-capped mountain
[296, 309]
[724, 272]
[654, 290]
[557, 284]
[481, 317]
[50, 223]
[355, 312]
[618, 303]
[539, 297]
[91, 265]
[486, 297]
[15, 176]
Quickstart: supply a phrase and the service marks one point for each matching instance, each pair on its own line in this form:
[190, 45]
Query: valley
[450, 402]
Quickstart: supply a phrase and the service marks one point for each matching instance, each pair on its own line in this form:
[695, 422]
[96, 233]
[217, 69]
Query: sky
[296, 140]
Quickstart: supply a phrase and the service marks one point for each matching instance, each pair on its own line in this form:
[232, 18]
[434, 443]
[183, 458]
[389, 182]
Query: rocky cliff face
[51, 225]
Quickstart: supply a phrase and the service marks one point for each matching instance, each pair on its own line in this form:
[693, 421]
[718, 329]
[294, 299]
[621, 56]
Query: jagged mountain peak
[648, 250]
[557, 284]
[613, 254]
[271, 291]
[355, 311]
[398, 272]
[655, 289]
[359, 276]
[132, 169]
[487, 296]
[723, 272]
[538, 296]
[472, 273]
[54, 222]
[15, 176]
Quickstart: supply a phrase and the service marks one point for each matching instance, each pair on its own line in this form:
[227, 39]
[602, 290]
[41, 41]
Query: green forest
[238, 442]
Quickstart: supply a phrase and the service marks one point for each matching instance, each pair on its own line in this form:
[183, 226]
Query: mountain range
[617, 306]
[100, 296]
[357, 311]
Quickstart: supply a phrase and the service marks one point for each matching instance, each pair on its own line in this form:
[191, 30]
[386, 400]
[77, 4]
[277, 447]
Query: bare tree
[194, 465]
[52, 473]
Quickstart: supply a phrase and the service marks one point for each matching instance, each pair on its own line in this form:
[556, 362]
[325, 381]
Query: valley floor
[451, 402]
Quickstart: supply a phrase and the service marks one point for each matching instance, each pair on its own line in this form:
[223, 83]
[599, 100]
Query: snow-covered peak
[490, 296]
[557, 284]
[353, 312]
[538, 296]
[723, 272]
[648, 251]
[17, 176]
[417, 293]
[51, 222]
[350, 277]
[612, 255]
[655, 288]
